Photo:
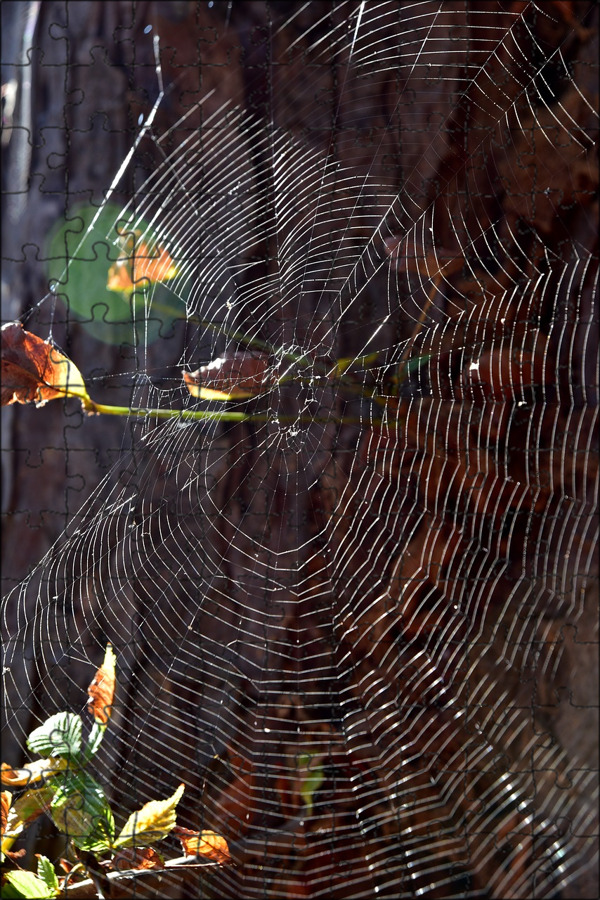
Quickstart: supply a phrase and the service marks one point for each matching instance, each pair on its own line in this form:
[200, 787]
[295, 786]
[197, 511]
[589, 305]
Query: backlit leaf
[311, 779]
[138, 858]
[81, 811]
[22, 884]
[25, 810]
[101, 690]
[46, 872]
[233, 377]
[5, 802]
[60, 735]
[35, 771]
[29, 807]
[33, 370]
[151, 823]
[203, 843]
[142, 262]
[78, 257]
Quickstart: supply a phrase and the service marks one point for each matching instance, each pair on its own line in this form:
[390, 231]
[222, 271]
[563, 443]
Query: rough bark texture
[401, 573]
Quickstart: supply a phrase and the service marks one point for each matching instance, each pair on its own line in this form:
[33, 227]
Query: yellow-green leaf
[21, 884]
[28, 807]
[46, 872]
[151, 823]
[311, 780]
[25, 810]
[204, 393]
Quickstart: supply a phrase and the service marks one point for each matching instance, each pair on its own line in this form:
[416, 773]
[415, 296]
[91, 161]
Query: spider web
[366, 579]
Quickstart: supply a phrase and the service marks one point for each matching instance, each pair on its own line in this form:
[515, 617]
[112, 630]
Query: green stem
[225, 415]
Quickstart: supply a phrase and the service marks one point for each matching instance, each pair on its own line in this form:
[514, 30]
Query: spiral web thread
[374, 570]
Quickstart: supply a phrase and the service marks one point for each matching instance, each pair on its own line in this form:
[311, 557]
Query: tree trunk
[413, 605]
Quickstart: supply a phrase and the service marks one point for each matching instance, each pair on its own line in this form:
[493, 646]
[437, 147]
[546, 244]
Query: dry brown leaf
[102, 689]
[33, 370]
[232, 377]
[5, 802]
[203, 843]
[138, 858]
[35, 771]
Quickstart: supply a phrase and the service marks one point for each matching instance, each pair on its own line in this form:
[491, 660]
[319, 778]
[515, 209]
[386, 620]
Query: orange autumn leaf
[35, 771]
[120, 278]
[142, 262]
[138, 858]
[203, 843]
[102, 689]
[231, 377]
[10, 827]
[5, 802]
[34, 370]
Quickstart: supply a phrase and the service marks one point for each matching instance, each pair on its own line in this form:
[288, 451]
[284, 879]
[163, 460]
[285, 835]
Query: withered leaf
[203, 843]
[151, 823]
[102, 689]
[33, 370]
[15, 854]
[232, 377]
[35, 771]
[5, 801]
[142, 262]
[138, 858]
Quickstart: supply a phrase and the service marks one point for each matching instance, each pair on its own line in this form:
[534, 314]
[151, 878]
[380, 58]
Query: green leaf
[151, 823]
[45, 871]
[311, 781]
[81, 811]
[94, 739]
[79, 259]
[60, 735]
[21, 884]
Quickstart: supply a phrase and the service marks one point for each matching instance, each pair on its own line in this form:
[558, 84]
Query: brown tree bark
[416, 551]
